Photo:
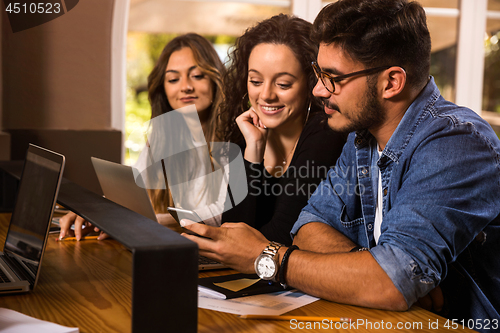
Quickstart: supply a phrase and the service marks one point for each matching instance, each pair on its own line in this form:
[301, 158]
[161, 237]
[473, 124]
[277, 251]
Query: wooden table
[88, 285]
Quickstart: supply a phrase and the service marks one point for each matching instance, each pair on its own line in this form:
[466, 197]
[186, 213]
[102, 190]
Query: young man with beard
[411, 211]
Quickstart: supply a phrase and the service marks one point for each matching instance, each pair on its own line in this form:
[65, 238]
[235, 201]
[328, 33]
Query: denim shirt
[441, 203]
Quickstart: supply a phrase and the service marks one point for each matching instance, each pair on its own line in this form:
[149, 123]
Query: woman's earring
[308, 111]
[245, 107]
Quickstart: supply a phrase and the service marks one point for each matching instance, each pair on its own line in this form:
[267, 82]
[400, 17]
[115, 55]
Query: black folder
[260, 287]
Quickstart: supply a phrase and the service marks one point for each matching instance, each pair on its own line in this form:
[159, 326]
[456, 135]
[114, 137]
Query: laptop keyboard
[206, 261]
[3, 277]
[18, 269]
[32, 267]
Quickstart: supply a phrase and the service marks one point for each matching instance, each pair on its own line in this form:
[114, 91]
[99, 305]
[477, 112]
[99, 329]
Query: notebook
[29, 226]
[118, 185]
[236, 285]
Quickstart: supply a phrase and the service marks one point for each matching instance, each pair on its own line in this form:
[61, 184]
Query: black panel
[77, 146]
[165, 264]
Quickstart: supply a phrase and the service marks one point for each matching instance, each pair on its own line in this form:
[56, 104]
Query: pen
[74, 238]
[298, 318]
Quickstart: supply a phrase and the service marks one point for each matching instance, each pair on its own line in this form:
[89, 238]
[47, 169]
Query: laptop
[118, 185]
[29, 226]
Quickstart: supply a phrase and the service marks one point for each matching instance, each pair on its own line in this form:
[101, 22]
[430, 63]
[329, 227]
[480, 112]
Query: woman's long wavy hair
[280, 30]
[210, 64]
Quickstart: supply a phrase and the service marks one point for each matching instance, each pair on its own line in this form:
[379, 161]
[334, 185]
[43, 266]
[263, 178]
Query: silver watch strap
[272, 248]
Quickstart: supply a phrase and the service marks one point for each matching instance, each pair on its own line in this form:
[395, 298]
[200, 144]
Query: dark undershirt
[274, 204]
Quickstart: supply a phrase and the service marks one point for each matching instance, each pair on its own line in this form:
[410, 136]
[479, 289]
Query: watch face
[266, 267]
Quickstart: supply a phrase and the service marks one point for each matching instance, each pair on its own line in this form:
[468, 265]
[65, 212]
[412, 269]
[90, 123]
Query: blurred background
[152, 23]
[77, 84]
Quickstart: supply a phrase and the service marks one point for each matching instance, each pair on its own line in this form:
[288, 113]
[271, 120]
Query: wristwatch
[266, 264]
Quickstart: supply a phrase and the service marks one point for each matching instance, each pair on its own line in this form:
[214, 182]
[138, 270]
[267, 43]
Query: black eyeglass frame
[320, 74]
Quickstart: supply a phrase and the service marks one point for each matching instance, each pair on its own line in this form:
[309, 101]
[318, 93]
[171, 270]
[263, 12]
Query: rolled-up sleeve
[411, 278]
[443, 202]
[327, 203]
[441, 192]
[304, 218]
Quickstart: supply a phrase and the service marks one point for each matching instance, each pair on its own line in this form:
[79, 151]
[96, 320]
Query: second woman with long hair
[272, 114]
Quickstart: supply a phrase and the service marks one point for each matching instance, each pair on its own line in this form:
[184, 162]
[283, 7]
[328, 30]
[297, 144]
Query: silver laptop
[29, 226]
[118, 185]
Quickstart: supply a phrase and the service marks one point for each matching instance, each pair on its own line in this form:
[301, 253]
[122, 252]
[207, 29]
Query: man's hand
[236, 245]
[433, 301]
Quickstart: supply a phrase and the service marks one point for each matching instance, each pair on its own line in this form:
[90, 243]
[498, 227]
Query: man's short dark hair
[378, 33]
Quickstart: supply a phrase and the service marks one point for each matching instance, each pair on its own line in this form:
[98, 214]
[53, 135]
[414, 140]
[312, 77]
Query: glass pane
[203, 17]
[430, 3]
[493, 5]
[439, 3]
[443, 32]
[491, 84]
[152, 23]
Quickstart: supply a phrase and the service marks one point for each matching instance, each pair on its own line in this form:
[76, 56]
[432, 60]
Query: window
[491, 83]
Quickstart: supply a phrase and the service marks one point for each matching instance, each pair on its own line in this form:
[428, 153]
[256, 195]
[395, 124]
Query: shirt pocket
[347, 221]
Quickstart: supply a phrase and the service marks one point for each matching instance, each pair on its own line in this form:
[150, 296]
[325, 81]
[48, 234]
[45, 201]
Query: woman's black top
[274, 204]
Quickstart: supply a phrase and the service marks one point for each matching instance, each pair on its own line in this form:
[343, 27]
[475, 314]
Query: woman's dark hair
[209, 63]
[280, 30]
[379, 33]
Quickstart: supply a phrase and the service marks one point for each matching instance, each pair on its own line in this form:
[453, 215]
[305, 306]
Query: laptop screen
[34, 204]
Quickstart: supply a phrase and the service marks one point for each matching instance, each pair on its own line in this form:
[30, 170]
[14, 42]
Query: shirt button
[358, 141]
[363, 171]
[370, 226]
[385, 191]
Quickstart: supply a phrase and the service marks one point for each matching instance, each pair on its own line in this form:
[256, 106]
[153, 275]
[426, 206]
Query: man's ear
[394, 82]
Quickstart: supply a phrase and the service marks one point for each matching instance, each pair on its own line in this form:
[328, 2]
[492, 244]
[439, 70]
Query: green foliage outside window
[491, 85]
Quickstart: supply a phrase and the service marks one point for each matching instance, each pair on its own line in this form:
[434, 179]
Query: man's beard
[370, 113]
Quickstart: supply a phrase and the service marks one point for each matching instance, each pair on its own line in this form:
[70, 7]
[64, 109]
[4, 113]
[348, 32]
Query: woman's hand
[255, 134]
[82, 227]
[167, 220]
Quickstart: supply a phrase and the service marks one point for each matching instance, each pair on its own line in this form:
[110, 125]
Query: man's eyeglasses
[329, 80]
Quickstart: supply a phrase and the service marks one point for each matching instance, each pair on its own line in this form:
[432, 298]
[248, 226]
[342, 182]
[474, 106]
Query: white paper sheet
[15, 322]
[265, 304]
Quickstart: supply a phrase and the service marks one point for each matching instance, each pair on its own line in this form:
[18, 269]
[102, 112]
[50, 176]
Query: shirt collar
[408, 124]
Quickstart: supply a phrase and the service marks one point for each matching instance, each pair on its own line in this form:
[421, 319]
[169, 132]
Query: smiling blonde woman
[188, 71]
